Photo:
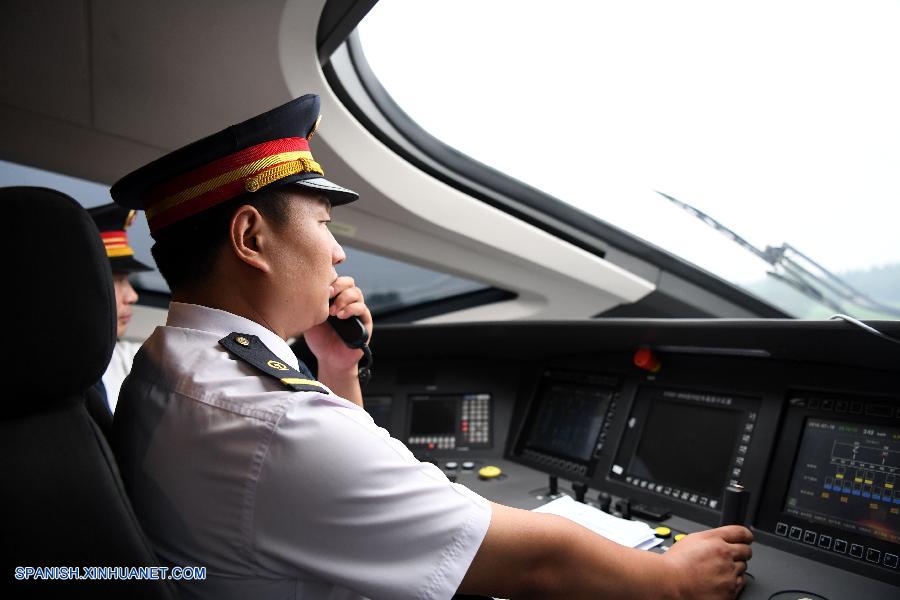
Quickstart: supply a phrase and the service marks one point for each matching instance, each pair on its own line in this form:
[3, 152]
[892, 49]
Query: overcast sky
[779, 118]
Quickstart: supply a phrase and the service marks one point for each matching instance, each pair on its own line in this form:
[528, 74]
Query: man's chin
[320, 319]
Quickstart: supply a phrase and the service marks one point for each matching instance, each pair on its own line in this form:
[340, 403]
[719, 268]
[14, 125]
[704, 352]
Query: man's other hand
[711, 564]
[337, 362]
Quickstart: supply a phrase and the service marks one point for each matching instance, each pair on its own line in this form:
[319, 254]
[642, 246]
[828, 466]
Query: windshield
[777, 120]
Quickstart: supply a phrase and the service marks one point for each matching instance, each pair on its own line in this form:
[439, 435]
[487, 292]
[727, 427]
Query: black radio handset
[354, 335]
[351, 331]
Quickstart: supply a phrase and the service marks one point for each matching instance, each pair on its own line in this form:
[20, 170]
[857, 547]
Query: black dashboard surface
[803, 414]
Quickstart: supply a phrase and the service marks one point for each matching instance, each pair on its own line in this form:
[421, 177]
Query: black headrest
[62, 318]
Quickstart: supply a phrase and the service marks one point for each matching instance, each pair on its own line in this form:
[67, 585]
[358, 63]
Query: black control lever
[624, 507]
[604, 501]
[734, 505]
[554, 486]
[580, 490]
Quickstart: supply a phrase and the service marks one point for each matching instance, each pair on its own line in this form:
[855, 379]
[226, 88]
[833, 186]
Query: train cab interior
[640, 262]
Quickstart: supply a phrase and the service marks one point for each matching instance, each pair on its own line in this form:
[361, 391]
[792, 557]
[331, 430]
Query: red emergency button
[645, 359]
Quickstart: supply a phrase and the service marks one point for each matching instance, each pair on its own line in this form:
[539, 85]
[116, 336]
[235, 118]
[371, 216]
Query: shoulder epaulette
[252, 350]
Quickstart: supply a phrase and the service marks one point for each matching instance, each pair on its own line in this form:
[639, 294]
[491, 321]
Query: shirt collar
[222, 323]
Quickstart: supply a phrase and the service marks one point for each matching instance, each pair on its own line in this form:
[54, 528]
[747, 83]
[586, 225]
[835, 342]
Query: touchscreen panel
[568, 421]
[686, 444]
[846, 476]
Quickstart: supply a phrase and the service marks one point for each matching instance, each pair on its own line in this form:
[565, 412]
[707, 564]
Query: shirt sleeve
[118, 369]
[338, 498]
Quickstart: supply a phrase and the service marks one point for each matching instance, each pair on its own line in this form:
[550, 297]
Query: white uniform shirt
[118, 369]
[280, 494]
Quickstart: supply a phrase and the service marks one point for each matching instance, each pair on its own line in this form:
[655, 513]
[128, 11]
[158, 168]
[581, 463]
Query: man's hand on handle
[711, 564]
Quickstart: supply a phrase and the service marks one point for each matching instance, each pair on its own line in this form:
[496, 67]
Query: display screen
[846, 476]
[568, 420]
[687, 446]
[433, 416]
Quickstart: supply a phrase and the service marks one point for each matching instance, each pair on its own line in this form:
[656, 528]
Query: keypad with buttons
[475, 422]
[870, 554]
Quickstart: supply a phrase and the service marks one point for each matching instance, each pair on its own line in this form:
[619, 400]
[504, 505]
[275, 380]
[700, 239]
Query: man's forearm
[586, 565]
[535, 555]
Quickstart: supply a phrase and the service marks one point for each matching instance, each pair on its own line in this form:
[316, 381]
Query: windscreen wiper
[797, 270]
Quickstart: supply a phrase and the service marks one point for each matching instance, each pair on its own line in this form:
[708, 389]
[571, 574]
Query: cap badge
[315, 128]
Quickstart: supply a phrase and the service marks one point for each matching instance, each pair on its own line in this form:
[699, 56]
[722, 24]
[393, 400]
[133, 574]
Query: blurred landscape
[881, 284]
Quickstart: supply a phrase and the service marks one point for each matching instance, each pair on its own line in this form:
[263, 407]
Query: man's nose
[131, 296]
[338, 256]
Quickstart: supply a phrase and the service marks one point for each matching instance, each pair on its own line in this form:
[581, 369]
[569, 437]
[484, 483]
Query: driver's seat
[63, 502]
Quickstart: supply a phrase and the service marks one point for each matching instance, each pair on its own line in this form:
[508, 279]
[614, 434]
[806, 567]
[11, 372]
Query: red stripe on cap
[114, 236]
[196, 205]
[226, 164]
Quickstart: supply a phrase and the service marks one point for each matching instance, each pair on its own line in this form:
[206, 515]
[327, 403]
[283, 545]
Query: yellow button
[662, 532]
[489, 472]
[678, 536]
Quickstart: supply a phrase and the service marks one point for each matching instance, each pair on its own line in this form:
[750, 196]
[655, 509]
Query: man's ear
[245, 233]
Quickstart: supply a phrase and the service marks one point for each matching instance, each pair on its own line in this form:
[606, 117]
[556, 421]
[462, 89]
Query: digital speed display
[846, 476]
